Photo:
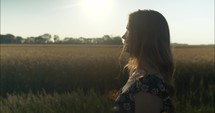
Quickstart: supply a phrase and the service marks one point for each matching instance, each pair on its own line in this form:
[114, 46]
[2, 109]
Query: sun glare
[97, 9]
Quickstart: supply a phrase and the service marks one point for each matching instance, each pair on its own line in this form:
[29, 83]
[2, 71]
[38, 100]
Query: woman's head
[146, 28]
[147, 40]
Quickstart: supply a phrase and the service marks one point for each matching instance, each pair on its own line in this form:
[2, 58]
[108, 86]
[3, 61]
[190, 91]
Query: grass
[70, 102]
[50, 78]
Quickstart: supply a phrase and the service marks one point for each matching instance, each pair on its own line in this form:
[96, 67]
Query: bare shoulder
[147, 103]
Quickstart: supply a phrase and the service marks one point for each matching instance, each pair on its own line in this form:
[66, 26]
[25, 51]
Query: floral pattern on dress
[148, 83]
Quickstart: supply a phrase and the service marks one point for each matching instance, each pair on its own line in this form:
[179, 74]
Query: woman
[149, 87]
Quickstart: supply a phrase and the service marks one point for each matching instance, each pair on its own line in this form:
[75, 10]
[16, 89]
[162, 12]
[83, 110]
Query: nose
[123, 36]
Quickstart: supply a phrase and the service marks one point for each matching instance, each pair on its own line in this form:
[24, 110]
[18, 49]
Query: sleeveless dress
[149, 83]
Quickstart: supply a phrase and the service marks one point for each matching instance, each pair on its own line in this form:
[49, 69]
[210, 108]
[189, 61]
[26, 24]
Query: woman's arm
[147, 103]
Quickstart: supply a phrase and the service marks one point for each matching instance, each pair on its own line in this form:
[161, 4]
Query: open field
[81, 78]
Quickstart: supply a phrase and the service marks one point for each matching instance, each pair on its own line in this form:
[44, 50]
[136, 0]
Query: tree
[40, 40]
[30, 40]
[98, 41]
[56, 38]
[19, 40]
[107, 39]
[47, 37]
[7, 39]
[117, 40]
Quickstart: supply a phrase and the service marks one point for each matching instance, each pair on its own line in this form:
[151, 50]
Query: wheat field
[82, 78]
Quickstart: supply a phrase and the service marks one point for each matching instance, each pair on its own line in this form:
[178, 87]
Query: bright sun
[97, 9]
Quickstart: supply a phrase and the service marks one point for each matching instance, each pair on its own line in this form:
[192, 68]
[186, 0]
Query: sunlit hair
[149, 41]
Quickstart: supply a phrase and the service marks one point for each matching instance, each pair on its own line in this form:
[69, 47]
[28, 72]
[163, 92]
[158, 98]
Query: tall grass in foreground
[69, 102]
[79, 102]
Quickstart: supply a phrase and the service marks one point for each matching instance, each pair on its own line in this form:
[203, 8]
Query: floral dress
[148, 83]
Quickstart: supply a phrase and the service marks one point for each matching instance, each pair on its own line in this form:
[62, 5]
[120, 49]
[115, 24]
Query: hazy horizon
[190, 22]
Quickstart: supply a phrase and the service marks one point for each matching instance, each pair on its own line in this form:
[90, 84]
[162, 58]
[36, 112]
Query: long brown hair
[149, 39]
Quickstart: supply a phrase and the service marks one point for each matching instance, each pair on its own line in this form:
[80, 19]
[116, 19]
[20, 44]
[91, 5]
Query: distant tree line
[48, 39]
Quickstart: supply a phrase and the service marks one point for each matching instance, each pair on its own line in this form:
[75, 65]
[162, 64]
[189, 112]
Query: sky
[190, 21]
